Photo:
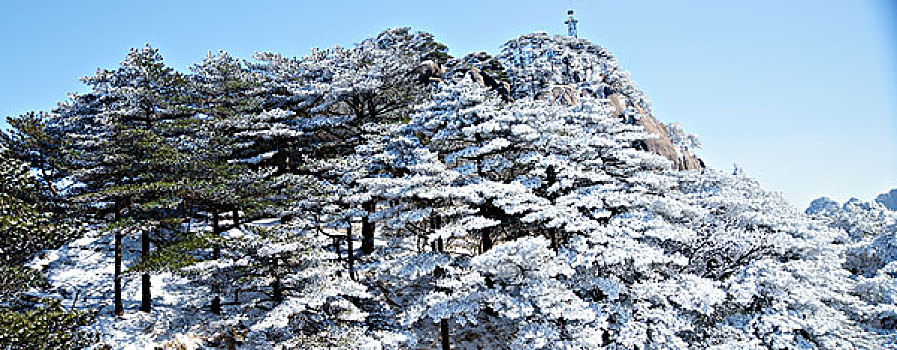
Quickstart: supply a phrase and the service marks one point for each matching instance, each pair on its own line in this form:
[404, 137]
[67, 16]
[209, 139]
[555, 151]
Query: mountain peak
[564, 70]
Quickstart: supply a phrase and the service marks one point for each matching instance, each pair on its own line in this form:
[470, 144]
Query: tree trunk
[216, 231]
[491, 211]
[119, 307]
[215, 221]
[553, 237]
[188, 216]
[350, 255]
[216, 305]
[444, 334]
[216, 254]
[551, 178]
[486, 239]
[145, 296]
[443, 323]
[43, 172]
[436, 223]
[236, 215]
[339, 254]
[216, 301]
[276, 287]
[368, 228]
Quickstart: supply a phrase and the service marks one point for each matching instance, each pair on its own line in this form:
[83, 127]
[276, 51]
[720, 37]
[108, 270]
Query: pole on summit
[571, 24]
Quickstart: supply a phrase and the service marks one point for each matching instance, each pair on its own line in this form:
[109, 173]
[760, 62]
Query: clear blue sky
[801, 94]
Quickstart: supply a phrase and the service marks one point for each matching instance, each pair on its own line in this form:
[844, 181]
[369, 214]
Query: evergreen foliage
[48, 327]
[508, 202]
[26, 228]
[26, 225]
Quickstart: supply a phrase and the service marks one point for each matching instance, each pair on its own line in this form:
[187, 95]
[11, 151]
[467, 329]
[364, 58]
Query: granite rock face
[428, 71]
[484, 79]
[662, 143]
[564, 94]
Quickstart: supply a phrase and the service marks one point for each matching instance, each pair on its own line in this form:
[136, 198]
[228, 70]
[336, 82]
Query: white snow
[84, 269]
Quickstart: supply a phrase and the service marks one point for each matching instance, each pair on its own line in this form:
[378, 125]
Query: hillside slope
[387, 195]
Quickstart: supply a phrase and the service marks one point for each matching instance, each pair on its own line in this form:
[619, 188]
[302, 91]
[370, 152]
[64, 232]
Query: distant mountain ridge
[889, 199]
[824, 204]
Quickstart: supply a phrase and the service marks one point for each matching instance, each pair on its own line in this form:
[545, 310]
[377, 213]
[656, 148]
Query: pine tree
[515, 200]
[355, 96]
[225, 92]
[26, 222]
[33, 140]
[122, 137]
[27, 226]
[586, 232]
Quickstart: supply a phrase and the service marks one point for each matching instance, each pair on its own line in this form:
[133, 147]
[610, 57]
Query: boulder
[428, 71]
[502, 88]
[476, 76]
[663, 145]
[565, 94]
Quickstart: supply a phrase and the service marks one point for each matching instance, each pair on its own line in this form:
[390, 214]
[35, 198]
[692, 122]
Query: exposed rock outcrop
[483, 69]
[502, 88]
[661, 144]
[664, 146]
[573, 79]
[564, 69]
[428, 71]
[564, 94]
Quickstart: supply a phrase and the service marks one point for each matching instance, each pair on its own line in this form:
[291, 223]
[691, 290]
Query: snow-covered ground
[81, 274]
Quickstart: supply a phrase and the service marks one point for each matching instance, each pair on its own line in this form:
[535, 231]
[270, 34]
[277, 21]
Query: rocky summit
[388, 195]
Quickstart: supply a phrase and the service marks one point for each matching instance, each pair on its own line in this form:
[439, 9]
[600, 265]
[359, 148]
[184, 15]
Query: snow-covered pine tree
[224, 91]
[519, 202]
[360, 94]
[123, 137]
[642, 255]
[871, 255]
[26, 228]
[31, 139]
[499, 176]
[26, 222]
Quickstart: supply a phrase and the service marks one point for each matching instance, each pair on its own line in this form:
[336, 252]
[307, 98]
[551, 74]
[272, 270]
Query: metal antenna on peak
[571, 24]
